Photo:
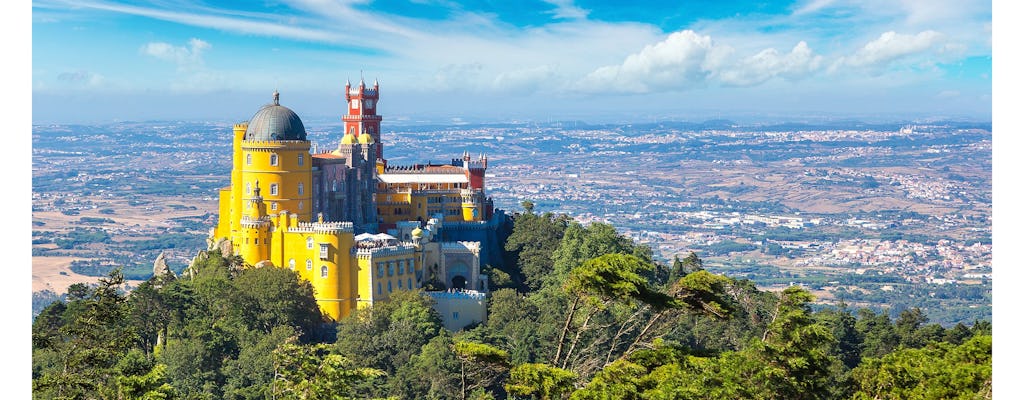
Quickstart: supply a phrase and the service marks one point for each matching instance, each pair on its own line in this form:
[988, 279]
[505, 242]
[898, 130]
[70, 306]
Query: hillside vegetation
[578, 312]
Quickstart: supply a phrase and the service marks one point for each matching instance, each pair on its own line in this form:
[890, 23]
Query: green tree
[84, 350]
[481, 365]
[532, 241]
[279, 297]
[540, 381]
[388, 334]
[880, 337]
[515, 319]
[316, 371]
[936, 371]
[433, 373]
[595, 285]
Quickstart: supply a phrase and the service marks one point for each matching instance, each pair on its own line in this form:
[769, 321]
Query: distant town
[885, 216]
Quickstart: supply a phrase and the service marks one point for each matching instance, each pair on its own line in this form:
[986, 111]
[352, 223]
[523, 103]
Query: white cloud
[687, 60]
[684, 59]
[82, 79]
[526, 80]
[890, 47]
[799, 63]
[813, 6]
[565, 9]
[187, 58]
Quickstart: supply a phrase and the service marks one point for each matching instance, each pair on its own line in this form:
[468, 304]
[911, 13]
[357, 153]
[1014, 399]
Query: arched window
[301, 158]
[248, 188]
[301, 189]
[323, 271]
[291, 264]
[248, 159]
[334, 186]
[309, 243]
[309, 265]
[300, 205]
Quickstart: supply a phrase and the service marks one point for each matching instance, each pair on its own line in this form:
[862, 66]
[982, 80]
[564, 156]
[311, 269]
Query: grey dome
[275, 122]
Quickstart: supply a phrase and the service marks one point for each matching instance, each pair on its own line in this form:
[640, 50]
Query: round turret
[348, 139]
[365, 139]
[275, 122]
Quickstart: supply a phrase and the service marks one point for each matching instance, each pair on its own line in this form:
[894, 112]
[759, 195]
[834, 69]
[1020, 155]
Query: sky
[99, 61]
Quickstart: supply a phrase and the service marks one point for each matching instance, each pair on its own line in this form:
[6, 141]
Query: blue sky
[490, 60]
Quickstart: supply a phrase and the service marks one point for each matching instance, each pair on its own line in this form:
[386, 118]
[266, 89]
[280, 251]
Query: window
[309, 265]
[391, 268]
[273, 205]
[455, 315]
[380, 270]
[309, 243]
[379, 291]
[301, 189]
[389, 286]
[334, 186]
[301, 158]
[291, 264]
[410, 283]
[273, 159]
[323, 250]
[248, 188]
[399, 284]
[273, 189]
[300, 205]
[248, 159]
[323, 271]
[401, 267]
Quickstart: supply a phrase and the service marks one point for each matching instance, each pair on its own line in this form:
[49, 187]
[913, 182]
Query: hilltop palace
[354, 226]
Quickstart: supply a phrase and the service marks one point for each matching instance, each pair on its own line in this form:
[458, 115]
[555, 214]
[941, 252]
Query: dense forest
[577, 312]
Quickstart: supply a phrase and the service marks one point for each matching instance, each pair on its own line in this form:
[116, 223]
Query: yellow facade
[419, 202]
[383, 270]
[267, 216]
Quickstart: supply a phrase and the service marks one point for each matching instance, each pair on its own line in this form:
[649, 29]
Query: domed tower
[275, 152]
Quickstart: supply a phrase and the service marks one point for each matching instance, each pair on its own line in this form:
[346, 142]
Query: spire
[256, 191]
[277, 98]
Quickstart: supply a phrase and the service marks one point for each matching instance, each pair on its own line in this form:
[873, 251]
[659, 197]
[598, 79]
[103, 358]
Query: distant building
[355, 227]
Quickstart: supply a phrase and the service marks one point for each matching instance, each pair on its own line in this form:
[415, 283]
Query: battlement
[424, 169]
[250, 222]
[453, 294]
[470, 247]
[275, 144]
[322, 227]
[383, 250]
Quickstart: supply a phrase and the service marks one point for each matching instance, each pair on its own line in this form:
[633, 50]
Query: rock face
[264, 263]
[225, 248]
[160, 265]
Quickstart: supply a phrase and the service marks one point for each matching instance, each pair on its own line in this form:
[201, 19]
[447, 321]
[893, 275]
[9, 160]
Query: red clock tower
[362, 118]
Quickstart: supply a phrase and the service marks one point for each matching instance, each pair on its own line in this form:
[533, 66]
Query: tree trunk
[565, 329]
